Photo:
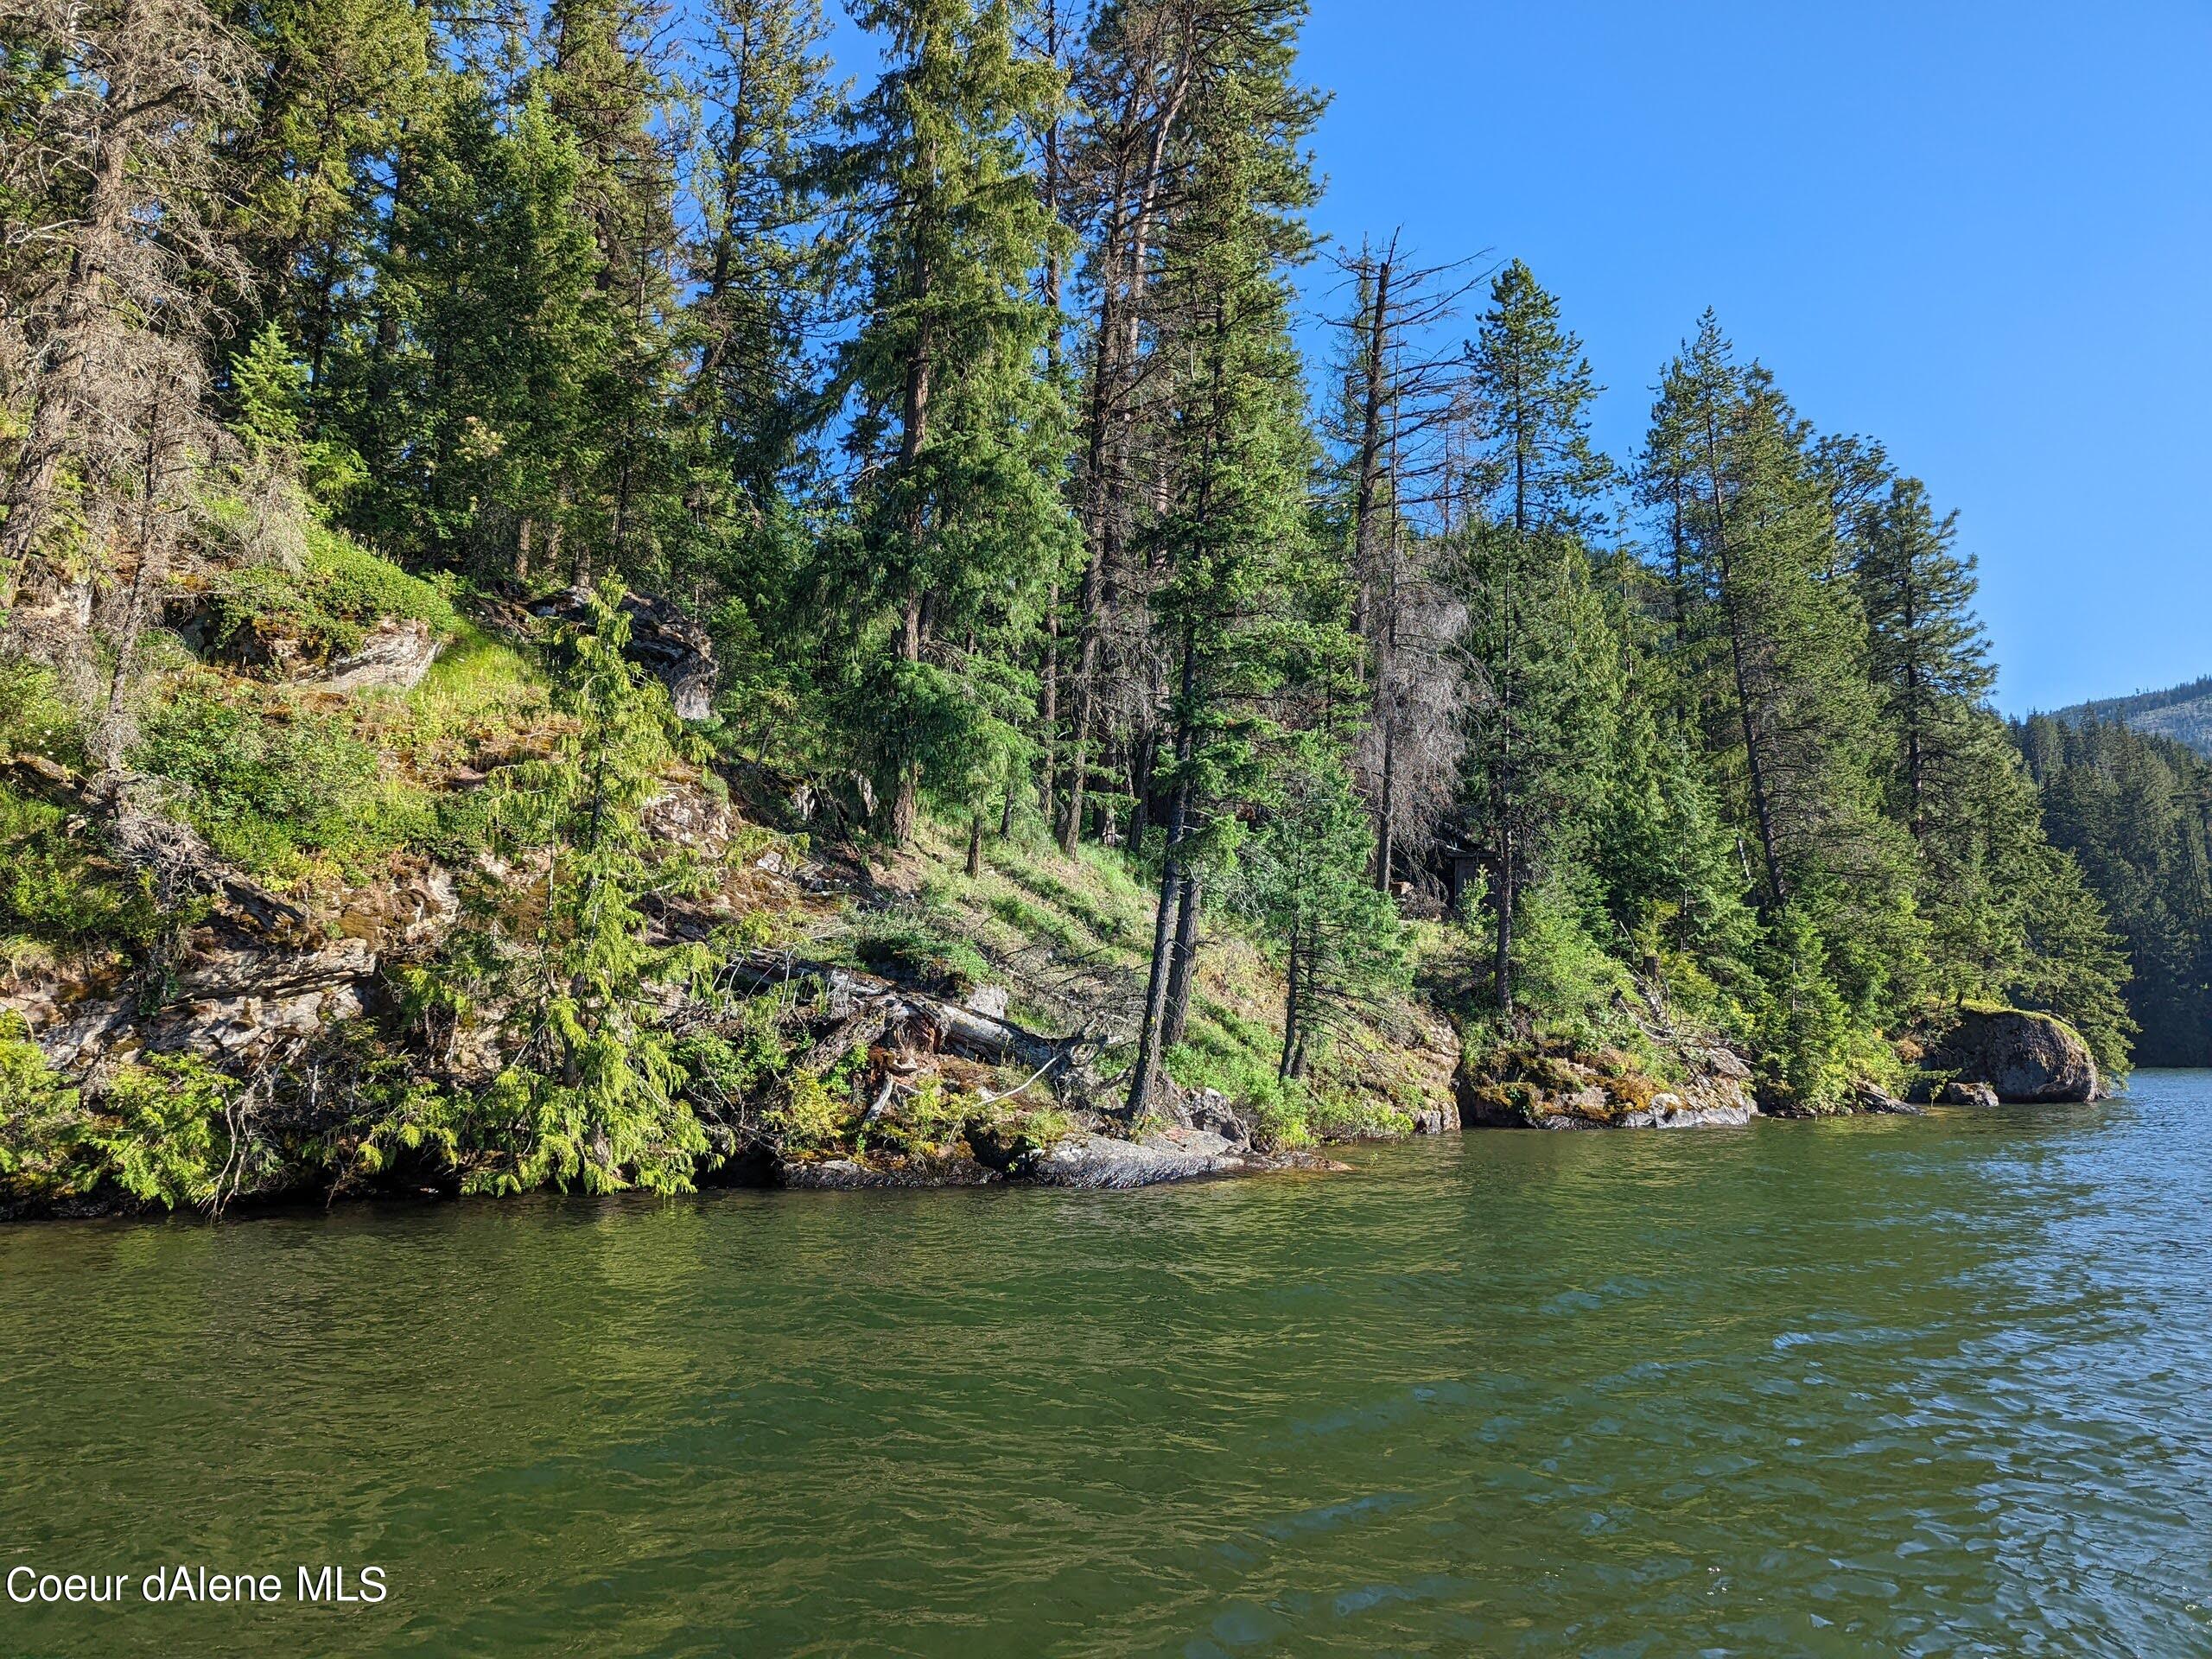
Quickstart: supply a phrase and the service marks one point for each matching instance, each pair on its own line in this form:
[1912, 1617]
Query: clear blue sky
[1981, 232]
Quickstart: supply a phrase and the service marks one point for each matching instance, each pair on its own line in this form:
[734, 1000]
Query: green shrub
[918, 952]
[269, 782]
[161, 1134]
[813, 1119]
[56, 889]
[33, 718]
[1034, 922]
[926, 1121]
[37, 1112]
[1562, 971]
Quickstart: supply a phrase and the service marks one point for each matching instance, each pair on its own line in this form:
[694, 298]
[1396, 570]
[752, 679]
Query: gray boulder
[676, 650]
[855, 1175]
[1968, 1094]
[394, 656]
[2024, 1056]
[1097, 1162]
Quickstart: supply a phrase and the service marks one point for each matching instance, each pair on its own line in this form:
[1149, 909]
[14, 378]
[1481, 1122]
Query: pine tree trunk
[1508, 877]
[1387, 808]
[1185, 964]
[1145, 1075]
[110, 737]
[30, 496]
[1049, 712]
[905, 789]
[1114, 359]
[1754, 758]
[913, 432]
[975, 846]
[1086, 675]
[1290, 1014]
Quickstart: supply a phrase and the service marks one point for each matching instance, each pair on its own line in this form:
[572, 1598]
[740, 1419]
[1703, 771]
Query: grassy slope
[1069, 938]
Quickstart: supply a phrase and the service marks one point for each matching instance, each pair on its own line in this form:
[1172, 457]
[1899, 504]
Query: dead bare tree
[1393, 430]
[102, 349]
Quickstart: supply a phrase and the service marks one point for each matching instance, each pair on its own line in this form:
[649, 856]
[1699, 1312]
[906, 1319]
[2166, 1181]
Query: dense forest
[2135, 810]
[959, 416]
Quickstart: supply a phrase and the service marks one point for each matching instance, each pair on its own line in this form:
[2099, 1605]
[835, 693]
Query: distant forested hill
[2181, 712]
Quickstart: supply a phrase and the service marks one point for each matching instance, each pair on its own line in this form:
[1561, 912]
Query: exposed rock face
[2024, 1057]
[677, 650]
[1210, 1109]
[394, 657]
[236, 1001]
[1521, 1090]
[252, 976]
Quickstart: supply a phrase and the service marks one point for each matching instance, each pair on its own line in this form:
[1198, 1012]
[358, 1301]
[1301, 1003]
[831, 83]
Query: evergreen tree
[1926, 654]
[1542, 703]
[1303, 877]
[1234, 509]
[593, 1093]
[1772, 664]
[2132, 814]
[956, 431]
[762, 259]
[339, 83]
[605, 92]
[468, 389]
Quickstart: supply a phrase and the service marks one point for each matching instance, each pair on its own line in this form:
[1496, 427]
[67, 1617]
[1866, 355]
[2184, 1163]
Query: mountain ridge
[2182, 713]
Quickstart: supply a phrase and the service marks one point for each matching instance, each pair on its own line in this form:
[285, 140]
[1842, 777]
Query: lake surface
[1917, 1386]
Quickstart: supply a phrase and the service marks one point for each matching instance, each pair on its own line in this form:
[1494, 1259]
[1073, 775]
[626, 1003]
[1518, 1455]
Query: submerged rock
[1872, 1098]
[1967, 1094]
[1098, 1162]
[2024, 1057]
[853, 1174]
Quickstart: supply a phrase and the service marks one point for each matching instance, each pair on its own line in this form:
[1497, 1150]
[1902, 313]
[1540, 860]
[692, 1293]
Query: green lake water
[1889, 1386]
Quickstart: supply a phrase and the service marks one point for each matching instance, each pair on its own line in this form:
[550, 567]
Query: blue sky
[1981, 232]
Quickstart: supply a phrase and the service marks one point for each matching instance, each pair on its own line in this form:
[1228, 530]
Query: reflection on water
[1936, 1386]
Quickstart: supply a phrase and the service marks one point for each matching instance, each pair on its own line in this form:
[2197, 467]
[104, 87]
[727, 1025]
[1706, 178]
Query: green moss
[323, 610]
[917, 951]
[1037, 923]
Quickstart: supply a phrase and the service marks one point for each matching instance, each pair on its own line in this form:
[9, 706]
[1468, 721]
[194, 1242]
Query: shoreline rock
[2022, 1057]
[1092, 1162]
[1531, 1089]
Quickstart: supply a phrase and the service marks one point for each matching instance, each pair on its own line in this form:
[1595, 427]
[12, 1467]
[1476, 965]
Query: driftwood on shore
[865, 1008]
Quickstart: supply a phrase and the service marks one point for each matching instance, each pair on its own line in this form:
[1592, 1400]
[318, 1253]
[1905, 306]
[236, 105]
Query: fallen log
[883, 1005]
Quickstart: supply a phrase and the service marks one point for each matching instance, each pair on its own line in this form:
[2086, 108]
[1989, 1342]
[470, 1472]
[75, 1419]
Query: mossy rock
[2027, 1056]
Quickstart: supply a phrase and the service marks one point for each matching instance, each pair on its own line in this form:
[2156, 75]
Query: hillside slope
[2182, 713]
